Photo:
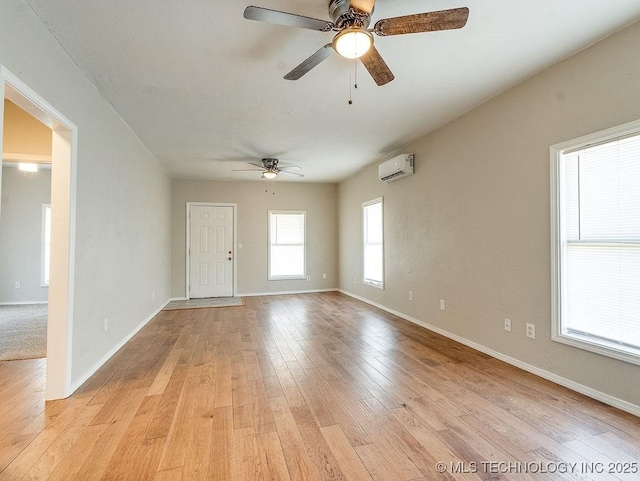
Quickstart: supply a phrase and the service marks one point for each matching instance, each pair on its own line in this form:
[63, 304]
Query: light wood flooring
[304, 387]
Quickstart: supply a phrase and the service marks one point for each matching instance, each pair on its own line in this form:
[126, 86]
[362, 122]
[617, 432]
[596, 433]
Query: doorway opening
[62, 222]
[24, 236]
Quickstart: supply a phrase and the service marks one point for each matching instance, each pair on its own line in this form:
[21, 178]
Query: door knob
[229, 258]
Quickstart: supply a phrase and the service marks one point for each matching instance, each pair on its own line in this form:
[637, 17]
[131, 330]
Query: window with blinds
[597, 244]
[372, 236]
[286, 245]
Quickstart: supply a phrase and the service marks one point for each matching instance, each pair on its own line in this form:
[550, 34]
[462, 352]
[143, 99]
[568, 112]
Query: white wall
[21, 234]
[123, 195]
[472, 226]
[320, 201]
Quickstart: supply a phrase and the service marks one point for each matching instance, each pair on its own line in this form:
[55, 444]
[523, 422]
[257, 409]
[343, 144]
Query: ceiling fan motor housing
[270, 164]
[344, 16]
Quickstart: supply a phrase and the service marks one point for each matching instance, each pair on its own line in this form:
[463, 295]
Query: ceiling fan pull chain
[353, 81]
[355, 73]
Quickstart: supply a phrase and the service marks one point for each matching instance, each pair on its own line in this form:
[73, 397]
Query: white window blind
[599, 240]
[372, 223]
[286, 245]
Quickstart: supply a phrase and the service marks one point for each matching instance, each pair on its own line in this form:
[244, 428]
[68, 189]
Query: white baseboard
[92, 370]
[282, 293]
[22, 303]
[568, 383]
[177, 299]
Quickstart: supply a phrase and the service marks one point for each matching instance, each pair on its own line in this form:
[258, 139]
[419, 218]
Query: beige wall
[23, 134]
[320, 201]
[123, 195]
[472, 226]
[21, 234]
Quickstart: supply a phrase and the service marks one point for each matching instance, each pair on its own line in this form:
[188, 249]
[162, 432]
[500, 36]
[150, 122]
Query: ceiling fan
[270, 168]
[354, 39]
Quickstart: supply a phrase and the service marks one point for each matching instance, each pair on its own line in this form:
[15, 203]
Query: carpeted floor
[205, 303]
[23, 332]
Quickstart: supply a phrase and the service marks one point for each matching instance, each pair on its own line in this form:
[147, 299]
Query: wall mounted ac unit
[396, 168]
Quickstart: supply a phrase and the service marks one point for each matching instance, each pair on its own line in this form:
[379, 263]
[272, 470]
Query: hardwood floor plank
[42, 442]
[125, 456]
[164, 376]
[246, 465]
[437, 450]
[105, 446]
[313, 398]
[175, 446]
[346, 456]
[222, 391]
[274, 465]
[12, 446]
[221, 444]
[174, 474]
[163, 419]
[377, 467]
[69, 466]
[199, 450]
[55, 453]
[296, 457]
[147, 458]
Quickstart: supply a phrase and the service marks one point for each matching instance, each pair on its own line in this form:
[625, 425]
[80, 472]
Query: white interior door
[211, 251]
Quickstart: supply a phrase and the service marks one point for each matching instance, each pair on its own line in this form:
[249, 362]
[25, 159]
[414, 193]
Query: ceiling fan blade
[257, 165]
[423, 22]
[365, 6]
[377, 67]
[310, 63]
[287, 19]
[247, 170]
[290, 166]
[287, 172]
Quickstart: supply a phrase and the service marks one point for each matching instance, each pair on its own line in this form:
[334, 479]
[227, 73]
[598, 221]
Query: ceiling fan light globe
[269, 175]
[353, 42]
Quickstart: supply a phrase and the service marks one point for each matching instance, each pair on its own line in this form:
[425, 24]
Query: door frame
[234, 243]
[63, 209]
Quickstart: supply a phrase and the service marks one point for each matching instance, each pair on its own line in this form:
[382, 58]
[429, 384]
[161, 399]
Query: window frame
[365, 281]
[304, 244]
[558, 264]
[44, 282]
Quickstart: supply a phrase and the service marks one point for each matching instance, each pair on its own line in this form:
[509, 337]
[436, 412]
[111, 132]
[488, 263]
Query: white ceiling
[203, 88]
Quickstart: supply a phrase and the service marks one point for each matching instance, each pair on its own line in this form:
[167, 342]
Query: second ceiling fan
[351, 18]
[270, 168]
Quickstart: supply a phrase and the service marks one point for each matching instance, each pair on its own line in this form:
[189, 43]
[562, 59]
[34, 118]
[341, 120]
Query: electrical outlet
[531, 331]
[443, 305]
[153, 295]
[324, 276]
[239, 246]
[106, 325]
[410, 295]
[355, 280]
[17, 285]
[507, 325]
[308, 278]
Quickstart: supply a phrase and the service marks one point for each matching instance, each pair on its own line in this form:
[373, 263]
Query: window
[46, 244]
[372, 236]
[286, 245]
[596, 230]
